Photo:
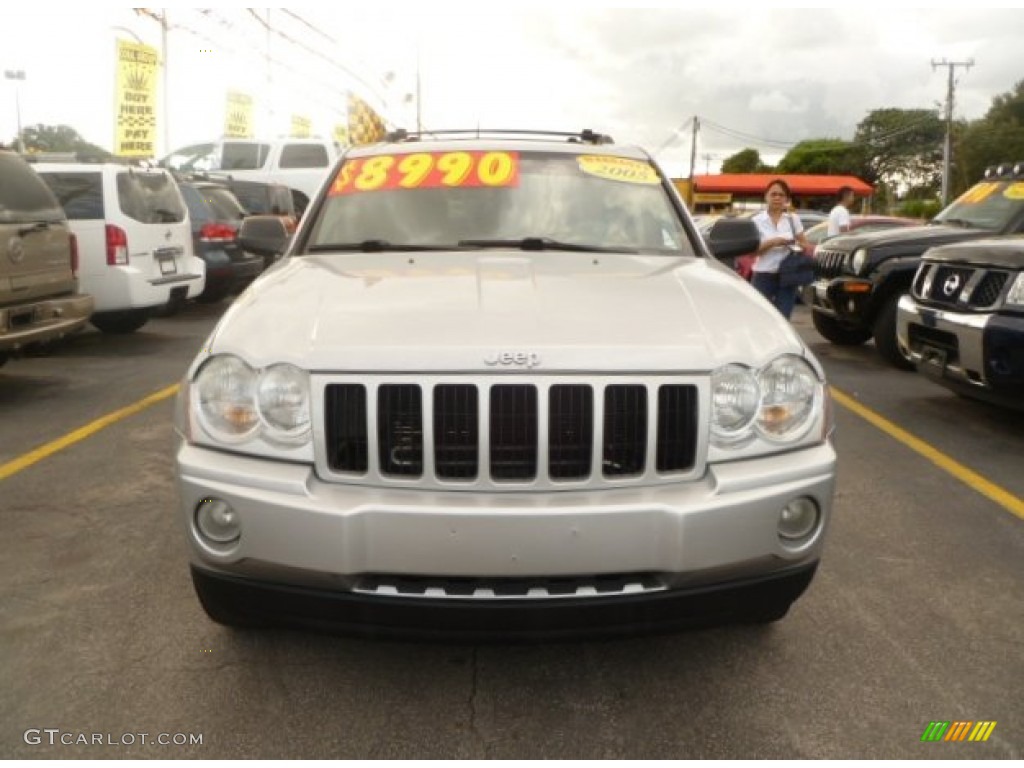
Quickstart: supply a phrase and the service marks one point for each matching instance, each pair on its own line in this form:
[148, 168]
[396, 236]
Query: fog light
[217, 521]
[798, 519]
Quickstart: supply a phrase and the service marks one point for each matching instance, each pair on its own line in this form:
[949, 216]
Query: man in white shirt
[839, 217]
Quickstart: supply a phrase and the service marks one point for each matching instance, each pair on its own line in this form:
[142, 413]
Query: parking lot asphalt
[916, 614]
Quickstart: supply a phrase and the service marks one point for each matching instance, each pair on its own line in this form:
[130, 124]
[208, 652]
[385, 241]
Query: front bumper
[505, 620]
[298, 531]
[980, 355]
[848, 300]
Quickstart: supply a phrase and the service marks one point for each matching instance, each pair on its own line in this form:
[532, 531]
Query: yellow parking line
[27, 460]
[985, 487]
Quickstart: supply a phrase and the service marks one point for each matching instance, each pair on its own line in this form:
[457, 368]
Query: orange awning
[799, 183]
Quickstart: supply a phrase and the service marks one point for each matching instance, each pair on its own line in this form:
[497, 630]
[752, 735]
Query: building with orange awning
[725, 189]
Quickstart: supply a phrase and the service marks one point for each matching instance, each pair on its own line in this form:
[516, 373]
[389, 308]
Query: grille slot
[400, 430]
[828, 263]
[347, 447]
[570, 431]
[513, 432]
[919, 280]
[625, 430]
[456, 431]
[677, 430]
[988, 289]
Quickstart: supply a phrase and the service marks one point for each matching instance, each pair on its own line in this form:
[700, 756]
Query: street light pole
[18, 75]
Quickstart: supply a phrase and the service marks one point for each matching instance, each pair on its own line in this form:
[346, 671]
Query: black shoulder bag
[797, 268]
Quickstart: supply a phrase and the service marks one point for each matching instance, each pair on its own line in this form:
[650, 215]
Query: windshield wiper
[958, 223]
[543, 244]
[375, 246]
[35, 226]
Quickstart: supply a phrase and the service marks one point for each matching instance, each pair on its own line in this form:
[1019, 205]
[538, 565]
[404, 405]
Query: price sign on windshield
[427, 170]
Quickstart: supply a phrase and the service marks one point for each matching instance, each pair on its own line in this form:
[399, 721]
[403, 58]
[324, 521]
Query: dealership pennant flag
[135, 100]
[238, 115]
[365, 126]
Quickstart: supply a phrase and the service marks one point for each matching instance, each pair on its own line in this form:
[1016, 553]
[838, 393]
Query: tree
[996, 138]
[902, 147]
[60, 138]
[824, 156]
[745, 161]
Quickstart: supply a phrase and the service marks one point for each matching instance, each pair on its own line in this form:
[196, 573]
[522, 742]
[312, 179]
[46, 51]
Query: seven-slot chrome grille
[828, 263]
[509, 433]
[960, 286]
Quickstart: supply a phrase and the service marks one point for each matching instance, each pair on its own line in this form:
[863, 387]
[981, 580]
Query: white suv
[301, 164]
[134, 239]
[499, 385]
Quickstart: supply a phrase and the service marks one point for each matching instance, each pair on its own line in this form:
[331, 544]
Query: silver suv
[498, 386]
[39, 298]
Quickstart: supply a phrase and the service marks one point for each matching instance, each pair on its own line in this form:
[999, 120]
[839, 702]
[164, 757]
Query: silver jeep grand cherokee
[498, 387]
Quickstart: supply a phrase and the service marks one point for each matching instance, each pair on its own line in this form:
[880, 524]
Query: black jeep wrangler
[860, 278]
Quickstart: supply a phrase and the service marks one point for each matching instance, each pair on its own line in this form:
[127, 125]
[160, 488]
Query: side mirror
[730, 238]
[265, 236]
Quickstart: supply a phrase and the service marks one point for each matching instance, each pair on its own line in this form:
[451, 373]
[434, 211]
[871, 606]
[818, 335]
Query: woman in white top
[779, 230]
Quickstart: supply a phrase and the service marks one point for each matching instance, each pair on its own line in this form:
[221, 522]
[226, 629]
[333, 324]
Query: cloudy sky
[756, 75]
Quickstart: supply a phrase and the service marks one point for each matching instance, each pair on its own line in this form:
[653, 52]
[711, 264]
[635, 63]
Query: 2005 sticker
[618, 169]
[427, 170]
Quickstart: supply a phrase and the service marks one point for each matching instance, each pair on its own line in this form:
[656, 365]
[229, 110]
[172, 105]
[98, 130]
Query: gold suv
[39, 298]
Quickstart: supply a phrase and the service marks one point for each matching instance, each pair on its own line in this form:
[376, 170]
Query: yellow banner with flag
[365, 126]
[302, 127]
[238, 115]
[341, 135]
[135, 100]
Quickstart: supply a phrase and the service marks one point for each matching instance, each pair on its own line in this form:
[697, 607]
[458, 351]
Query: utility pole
[166, 94]
[270, 84]
[947, 150]
[17, 75]
[693, 157]
[707, 162]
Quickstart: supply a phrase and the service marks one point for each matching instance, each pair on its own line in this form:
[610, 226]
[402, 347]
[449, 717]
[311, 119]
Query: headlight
[789, 389]
[860, 258]
[234, 403]
[1015, 297]
[735, 396]
[225, 398]
[777, 403]
[282, 397]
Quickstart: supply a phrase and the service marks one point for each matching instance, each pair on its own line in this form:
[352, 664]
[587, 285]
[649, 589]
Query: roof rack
[586, 136]
[87, 158]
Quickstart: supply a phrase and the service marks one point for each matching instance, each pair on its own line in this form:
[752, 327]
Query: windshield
[499, 199]
[989, 205]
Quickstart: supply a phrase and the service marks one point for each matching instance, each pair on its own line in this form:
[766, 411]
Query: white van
[134, 239]
[301, 164]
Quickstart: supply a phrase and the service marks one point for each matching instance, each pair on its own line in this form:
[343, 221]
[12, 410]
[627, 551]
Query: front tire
[126, 321]
[885, 335]
[830, 328]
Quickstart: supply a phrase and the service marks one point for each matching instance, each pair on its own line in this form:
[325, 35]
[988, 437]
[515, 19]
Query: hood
[1007, 252]
[502, 311]
[916, 239]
